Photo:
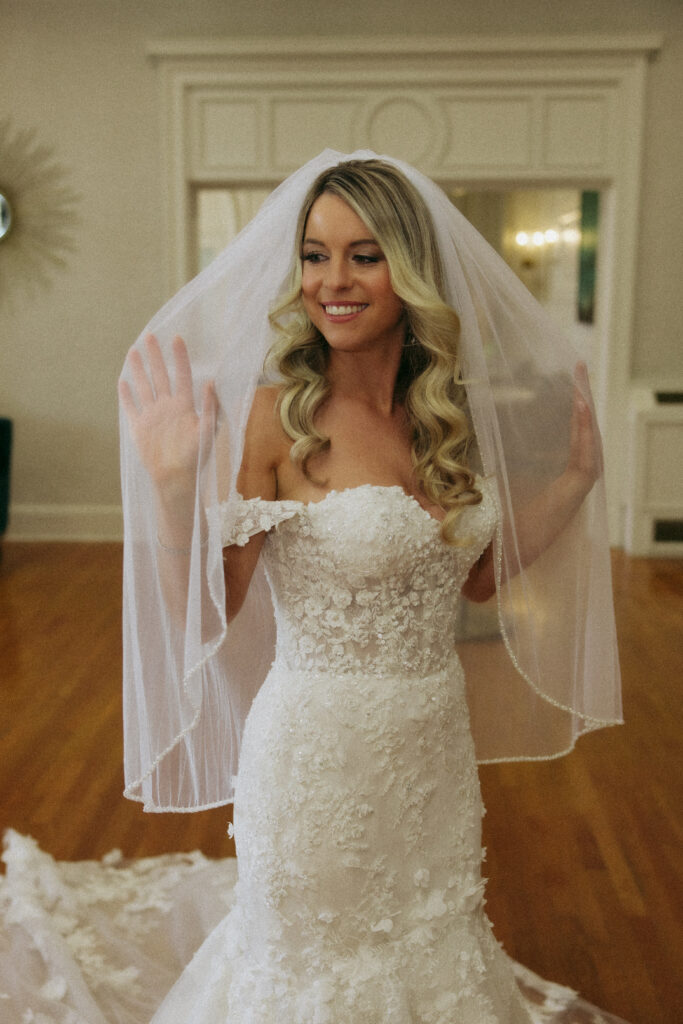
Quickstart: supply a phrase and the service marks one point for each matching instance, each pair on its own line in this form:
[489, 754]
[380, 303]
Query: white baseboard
[65, 522]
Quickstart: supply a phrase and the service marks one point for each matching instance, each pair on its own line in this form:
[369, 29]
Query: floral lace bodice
[362, 577]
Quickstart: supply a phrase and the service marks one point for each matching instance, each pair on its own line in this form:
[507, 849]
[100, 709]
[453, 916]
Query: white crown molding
[29, 522]
[448, 46]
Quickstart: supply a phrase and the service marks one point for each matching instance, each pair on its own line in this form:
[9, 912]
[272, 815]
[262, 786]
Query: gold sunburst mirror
[5, 215]
[37, 211]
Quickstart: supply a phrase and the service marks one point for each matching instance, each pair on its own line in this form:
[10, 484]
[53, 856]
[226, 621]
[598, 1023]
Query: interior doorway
[549, 236]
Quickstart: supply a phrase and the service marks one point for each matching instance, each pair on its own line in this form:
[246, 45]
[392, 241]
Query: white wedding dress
[357, 819]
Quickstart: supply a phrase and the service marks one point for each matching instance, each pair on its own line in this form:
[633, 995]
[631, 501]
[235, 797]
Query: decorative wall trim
[65, 522]
[465, 45]
[655, 484]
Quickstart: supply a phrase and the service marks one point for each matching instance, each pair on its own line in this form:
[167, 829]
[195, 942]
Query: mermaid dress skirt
[357, 814]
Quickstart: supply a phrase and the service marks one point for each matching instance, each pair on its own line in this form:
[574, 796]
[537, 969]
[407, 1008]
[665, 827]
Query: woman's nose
[337, 273]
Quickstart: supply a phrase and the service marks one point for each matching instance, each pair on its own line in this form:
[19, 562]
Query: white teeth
[343, 310]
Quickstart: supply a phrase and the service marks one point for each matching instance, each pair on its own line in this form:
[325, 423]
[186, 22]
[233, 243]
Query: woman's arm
[167, 432]
[547, 515]
[257, 478]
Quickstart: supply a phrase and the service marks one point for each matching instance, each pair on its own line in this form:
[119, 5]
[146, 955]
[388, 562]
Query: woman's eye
[364, 259]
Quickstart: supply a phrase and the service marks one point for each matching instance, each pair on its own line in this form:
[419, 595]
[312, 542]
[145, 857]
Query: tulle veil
[542, 664]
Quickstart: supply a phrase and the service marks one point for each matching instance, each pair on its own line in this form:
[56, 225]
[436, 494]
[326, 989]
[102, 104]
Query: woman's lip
[342, 311]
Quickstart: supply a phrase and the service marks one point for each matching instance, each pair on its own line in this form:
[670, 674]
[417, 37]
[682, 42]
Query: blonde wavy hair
[429, 381]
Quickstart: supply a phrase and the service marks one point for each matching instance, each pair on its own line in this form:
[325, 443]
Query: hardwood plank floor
[584, 853]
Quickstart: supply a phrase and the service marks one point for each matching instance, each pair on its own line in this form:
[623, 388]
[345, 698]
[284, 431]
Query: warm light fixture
[548, 237]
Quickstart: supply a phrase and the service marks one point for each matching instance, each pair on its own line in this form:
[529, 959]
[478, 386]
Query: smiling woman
[378, 246]
[420, 433]
[357, 488]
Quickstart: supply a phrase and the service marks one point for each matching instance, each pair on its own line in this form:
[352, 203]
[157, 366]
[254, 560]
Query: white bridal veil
[540, 672]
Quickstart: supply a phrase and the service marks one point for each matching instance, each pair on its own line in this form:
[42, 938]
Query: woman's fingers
[208, 417]
[581, 376]
[143, 388]
[183, 369]
[127, 401]
[584, 440]
[209, 401]
[157, 366]
[155, 383]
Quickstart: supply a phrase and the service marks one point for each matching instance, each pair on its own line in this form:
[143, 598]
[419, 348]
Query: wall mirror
[5, 215]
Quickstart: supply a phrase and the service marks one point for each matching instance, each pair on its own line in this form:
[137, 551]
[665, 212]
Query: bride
[299, 557]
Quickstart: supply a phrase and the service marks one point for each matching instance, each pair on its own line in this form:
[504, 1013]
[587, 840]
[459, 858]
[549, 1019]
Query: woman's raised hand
[585, 452]
[164, 422]
[546, 515]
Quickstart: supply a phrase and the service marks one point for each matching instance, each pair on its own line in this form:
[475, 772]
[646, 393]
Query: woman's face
[345, 282]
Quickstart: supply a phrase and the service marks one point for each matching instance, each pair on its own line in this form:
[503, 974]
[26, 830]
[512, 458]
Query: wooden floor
[584, 854]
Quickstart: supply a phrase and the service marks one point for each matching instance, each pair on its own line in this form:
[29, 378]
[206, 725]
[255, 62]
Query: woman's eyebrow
[360, 241]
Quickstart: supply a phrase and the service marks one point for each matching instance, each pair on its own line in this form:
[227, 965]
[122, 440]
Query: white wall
[76, 71]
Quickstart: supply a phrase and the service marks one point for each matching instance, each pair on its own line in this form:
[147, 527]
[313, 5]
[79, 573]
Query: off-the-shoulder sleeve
[489, 498]
[240, 518]
[482, 519]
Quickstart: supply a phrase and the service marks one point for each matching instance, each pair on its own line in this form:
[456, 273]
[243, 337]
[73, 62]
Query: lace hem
[102, 942]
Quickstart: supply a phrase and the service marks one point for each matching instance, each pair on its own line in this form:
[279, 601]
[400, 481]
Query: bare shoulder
[265, 401]
[265, 443]
[264, 426]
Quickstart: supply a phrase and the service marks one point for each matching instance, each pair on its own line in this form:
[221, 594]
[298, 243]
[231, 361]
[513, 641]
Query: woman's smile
[342, 312]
